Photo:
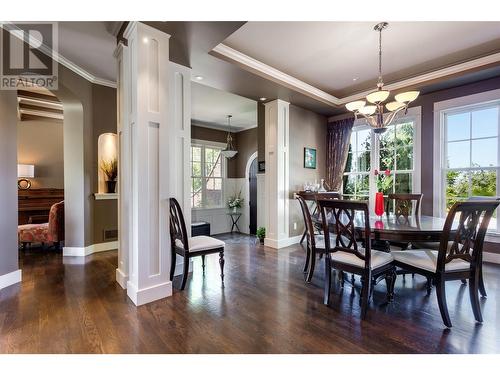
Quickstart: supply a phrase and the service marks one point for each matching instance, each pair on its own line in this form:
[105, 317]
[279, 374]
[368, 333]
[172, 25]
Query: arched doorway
[251, 189]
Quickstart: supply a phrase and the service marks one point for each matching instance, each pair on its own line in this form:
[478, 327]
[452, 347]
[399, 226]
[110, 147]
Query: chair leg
[203, 263]
[312, 265]
[308, 256]
[443, 307]
[303, 236]
[482, 289]
[185, 272]
[365, 294]
[328, 279]
[172, 265]
[221, 264]
[473, 293]
[390, 280]
[429, 285]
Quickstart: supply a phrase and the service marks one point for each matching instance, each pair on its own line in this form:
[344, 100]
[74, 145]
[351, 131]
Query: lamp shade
[406, 97]
[354, 106]
[368, 110]
[377, 97]
[392, 106]
[25, 170]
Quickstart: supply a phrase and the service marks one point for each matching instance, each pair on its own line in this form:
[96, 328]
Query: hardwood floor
[265, 307]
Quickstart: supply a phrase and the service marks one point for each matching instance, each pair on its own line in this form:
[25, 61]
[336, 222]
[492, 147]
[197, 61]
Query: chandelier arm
[391, 116]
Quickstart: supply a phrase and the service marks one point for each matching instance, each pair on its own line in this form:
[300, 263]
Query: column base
[281, 243]
[121, 278]
[146, 295]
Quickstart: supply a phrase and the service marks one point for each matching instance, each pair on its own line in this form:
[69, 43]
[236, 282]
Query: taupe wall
[8, 185]
[244, 141]
[40, 142]
[307, 129]
[246, 144]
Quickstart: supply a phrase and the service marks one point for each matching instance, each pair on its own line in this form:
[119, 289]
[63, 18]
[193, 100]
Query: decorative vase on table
[235, 209]
[379, 204]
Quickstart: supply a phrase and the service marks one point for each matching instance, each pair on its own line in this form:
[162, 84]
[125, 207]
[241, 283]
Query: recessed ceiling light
[262, 99]
[198, 78]
[145, 40]
[355, 79]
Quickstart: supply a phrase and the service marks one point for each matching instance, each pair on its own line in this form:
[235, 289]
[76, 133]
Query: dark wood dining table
[388, 227]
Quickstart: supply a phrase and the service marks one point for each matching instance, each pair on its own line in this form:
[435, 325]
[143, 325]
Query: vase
[235, 209]
[110, 187]
[379, 204]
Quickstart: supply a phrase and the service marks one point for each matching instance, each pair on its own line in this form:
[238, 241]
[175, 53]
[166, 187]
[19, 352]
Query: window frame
[207, 144]
[414, 115]
[453, 107]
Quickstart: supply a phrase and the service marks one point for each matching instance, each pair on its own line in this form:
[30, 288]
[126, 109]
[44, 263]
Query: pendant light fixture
[374, 113]
[229, 151]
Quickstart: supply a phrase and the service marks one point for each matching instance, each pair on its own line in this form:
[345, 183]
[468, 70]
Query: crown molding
[273, 74]
[63, 60]
[224, 128]
[268, 72]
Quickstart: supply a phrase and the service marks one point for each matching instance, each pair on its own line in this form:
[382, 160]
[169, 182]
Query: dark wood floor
[265, 307]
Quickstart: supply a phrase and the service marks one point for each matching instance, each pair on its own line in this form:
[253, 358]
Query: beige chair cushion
[201, 243]
[378, 258]
[427, 260]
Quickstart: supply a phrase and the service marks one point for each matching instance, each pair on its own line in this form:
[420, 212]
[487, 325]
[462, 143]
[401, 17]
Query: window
[207, 172]
[397, 149]
[470, 163]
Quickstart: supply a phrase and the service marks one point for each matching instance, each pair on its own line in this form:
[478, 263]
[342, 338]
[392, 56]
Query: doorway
[252, 188]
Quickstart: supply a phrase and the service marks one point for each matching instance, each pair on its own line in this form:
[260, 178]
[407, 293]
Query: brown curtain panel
[337, 148]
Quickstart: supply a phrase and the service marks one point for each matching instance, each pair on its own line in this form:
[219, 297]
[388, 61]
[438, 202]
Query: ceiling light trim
[274, 74]
[262, 69]
[65, 62]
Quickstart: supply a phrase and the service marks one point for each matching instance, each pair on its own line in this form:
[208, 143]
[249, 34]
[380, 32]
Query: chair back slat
[343, 215]
[466, 241]
[306, 214]
[405, 206]
[177, 224]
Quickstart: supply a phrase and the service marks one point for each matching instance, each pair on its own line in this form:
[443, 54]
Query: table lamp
[24, 173]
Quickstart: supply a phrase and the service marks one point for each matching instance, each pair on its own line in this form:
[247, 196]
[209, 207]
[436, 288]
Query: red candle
[379, 204]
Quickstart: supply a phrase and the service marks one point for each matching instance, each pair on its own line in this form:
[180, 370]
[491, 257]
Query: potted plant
[110, 169]
[235, 202]
[261, 234]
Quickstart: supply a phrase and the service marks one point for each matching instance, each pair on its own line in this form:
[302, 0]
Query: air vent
[110, 234]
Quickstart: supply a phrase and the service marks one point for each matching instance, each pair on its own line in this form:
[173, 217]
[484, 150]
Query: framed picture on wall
[309, 158]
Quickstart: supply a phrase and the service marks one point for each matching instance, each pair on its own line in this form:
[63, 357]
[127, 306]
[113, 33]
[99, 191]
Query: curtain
[337, 147]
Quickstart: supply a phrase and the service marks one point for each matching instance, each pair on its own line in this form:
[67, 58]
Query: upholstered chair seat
[51, 232]
[202, 243]
[378, 258]
[426, 259]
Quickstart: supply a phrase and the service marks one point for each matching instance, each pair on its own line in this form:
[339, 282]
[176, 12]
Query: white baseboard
[491, 257]
[284, 242]
[121, 278]
[150, 294]
[84, 251]
[10, 278]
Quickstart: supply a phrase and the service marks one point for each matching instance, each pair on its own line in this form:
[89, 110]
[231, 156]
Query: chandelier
[374, 112]
[229, 151]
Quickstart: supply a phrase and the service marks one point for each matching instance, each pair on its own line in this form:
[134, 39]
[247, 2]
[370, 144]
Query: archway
[248, 198]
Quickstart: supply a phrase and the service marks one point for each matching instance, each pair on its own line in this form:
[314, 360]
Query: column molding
[146, 116]
[277, 124]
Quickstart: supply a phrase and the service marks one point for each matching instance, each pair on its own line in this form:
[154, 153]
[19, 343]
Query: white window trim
[414, 114]
[203, 143]
[440, 109]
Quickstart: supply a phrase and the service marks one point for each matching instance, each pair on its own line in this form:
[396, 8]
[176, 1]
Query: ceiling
[91, 46]
[210, 107]
[341, 58]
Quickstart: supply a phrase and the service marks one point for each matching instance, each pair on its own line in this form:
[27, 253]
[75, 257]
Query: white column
[277, 169]
[124, 194]
[148, 180]
[179, 156]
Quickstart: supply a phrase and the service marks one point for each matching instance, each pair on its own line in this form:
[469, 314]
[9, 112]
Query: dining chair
[315, 244]
[459, 256]
[312, 196]
[347, 254]
[190, 247]
[405, 206]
